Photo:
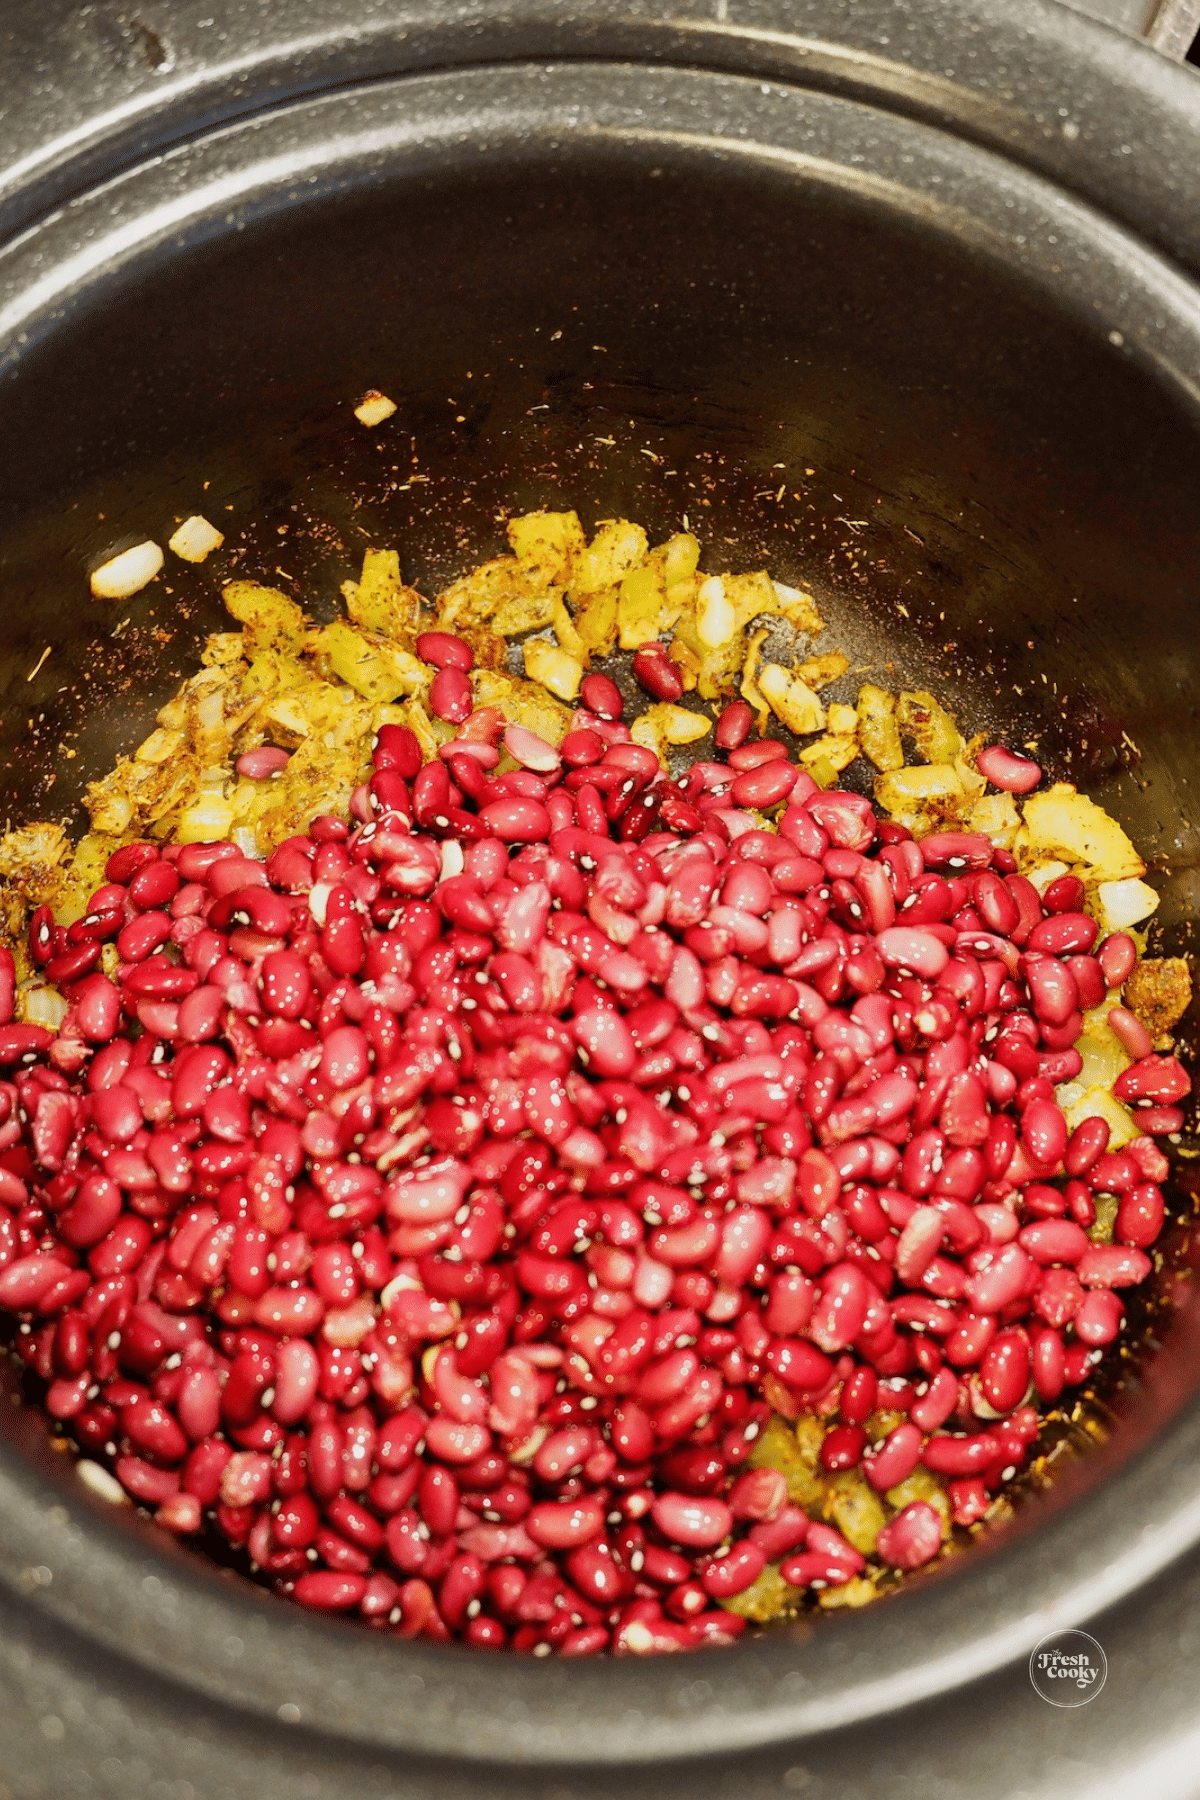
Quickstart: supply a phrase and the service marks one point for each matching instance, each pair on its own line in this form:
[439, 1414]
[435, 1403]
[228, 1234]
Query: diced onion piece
[195, 539]
[1046, 874]
[680, 725]
[127, 573]
[1121, 904]
[374, 408]
[716, 620]
[41, 1005]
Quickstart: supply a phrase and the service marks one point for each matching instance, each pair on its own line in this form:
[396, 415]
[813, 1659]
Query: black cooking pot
[897, 299]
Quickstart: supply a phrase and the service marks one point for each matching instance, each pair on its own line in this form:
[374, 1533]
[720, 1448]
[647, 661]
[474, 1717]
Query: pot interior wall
[990, 498]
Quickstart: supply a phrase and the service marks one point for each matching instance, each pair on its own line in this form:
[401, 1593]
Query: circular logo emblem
[1068, 1668]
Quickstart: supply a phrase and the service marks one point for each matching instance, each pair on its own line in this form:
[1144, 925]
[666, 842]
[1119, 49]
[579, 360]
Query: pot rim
[1097, 111]
[1083, 1556]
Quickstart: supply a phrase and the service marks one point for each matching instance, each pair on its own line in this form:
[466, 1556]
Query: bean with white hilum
[443, 1235]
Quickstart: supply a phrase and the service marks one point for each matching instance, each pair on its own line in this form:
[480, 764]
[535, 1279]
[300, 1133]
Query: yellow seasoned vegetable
[878, 732]
[996, 816]
[269, 620]
[835, 751]
[596, 622]
[617, 548]
[566, 631]
[31, 856]
[652, 596]
[791, 700]
[917, 784]
[378, 670]
[662, 726]
[549, 542]
[1121, 904]
[930, 726]
[779, 1448]
[770, 1597]
[380, 602]
[798, 608]
[855, 1509]
[523, 702]
[553, 667]
[1159, 991]
[1064, 824]
[819, 671]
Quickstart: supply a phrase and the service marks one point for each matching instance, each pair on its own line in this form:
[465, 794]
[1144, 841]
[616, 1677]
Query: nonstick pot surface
[648, 292]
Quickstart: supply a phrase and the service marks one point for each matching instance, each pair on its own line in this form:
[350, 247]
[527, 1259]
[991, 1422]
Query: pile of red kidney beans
[439, 1209]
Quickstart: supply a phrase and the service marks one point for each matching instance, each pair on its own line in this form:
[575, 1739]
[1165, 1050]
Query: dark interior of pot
[990, 498]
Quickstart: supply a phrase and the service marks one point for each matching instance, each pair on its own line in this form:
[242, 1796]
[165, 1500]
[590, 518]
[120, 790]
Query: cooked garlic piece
[195, 539]
[374, 408]
[127, 573]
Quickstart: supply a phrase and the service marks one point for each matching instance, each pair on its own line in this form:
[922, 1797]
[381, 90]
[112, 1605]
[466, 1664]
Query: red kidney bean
[1044, 1133]
[725, 1576]
[915, 950]
[654, 670]
[965, 1344]
[601, 696]
[444, 651]
[1165, 1121]
[964, 1455]
[291, 1166]
[912, 1538]
[1065, 933]
[450, 695]
[934, 1407]
[1053, 1241]
[840, 1309]
[1160, 1079]
[1107, 1266]
[764, 786]
[1130, 1031]
[516, 820]
[695, 1522]
[1048, 1362]
[734, 725]
[1099, 1318]
[566, 1524]
[1117, 956]
[1140, 1216]
[1080, 1204]
[843, 1448]
[894, 1460]
[1004, 1371]
[1087, 1142]
[998, 1278]
[531, 751]
[1051, 988]
[1007, 769]
[1088, 977]
[329, 1590]
[153, 885]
